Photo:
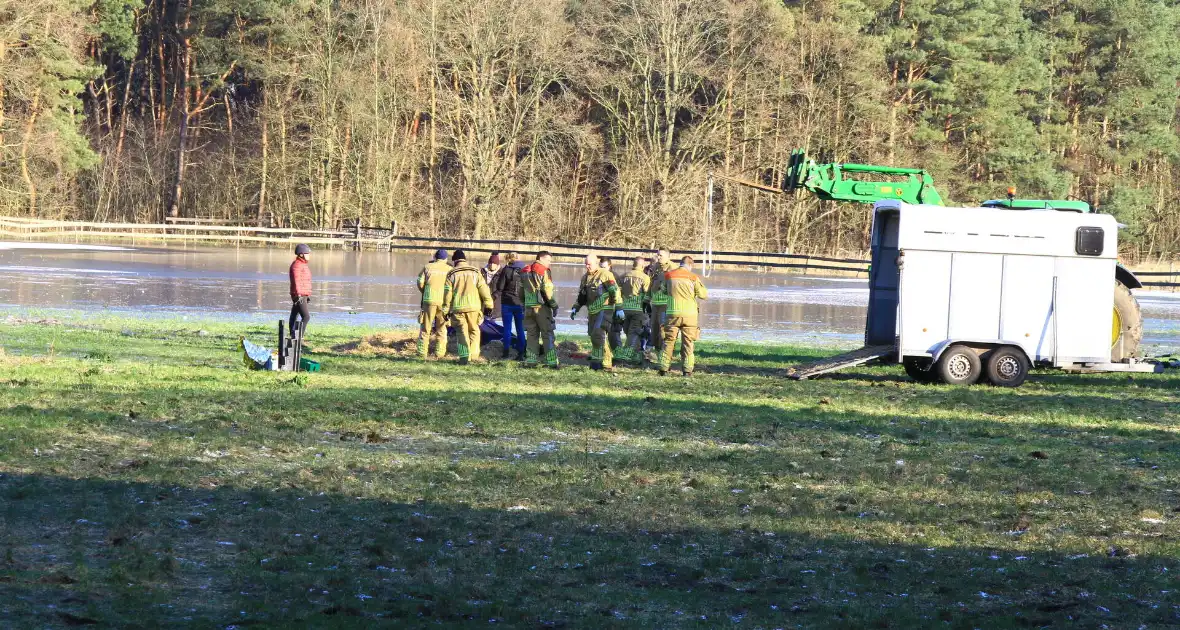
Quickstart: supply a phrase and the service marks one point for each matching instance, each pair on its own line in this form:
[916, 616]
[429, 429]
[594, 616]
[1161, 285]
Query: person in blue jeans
[504, 290]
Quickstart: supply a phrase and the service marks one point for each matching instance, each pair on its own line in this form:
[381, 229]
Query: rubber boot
[595, 365]
[506, 351]
[463, 361]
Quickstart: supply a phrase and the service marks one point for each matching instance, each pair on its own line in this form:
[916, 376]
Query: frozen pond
[377, 289]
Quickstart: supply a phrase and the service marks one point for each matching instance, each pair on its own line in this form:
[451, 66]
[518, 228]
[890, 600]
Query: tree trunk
[186, 111]
[24, 152]
[264, 141]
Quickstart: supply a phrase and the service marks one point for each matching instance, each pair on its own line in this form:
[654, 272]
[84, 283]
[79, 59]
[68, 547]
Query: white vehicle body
[989, 277]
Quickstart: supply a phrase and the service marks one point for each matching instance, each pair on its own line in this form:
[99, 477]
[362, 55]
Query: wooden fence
[356, 236]
[387, 239]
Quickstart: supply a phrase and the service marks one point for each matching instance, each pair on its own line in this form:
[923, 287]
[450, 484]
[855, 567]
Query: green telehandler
[854, 182]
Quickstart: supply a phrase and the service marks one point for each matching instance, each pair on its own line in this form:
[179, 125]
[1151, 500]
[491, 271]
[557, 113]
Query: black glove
[552, 304]
[487, 312]
[647, 308]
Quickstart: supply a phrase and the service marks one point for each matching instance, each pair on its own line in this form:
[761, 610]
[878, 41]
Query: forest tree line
[582, 120]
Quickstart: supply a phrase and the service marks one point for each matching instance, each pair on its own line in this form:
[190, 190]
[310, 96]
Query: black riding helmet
[302, 249]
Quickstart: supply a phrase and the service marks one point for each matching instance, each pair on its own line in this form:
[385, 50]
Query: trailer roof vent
[1090, 241]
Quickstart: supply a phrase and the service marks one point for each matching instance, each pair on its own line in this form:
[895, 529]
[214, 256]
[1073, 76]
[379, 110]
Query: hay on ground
[405, 345]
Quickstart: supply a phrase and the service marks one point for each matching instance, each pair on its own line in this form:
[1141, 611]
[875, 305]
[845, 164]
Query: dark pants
[513, 316]
[299, 308]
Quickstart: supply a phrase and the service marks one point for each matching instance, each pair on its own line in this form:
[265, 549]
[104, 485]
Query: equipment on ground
[856, 182]
[257, 357]
[962, 294]
[290, 347]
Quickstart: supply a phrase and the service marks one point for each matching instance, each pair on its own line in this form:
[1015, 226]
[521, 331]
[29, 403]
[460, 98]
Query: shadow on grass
[113, 553]
[857, 417]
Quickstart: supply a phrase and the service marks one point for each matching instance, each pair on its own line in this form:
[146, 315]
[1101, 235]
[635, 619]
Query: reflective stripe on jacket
[535, 285]
[466, 291]
[684, 289]
[658, 295]
[431, 281]
[633, 289]
[598, 290]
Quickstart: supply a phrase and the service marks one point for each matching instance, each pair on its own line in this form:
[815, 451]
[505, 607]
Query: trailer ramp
[857, 357]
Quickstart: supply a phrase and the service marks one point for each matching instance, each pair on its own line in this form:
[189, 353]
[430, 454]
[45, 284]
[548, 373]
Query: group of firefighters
[655, 295]
[656, 300]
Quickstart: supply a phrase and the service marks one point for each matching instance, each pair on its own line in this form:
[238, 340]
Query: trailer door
[884, 278]
[1026, 317]
[925, 301]
[975, 296]
[1084, 310]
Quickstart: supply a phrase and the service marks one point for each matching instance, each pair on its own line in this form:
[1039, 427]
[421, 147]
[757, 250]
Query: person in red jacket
[300, 276]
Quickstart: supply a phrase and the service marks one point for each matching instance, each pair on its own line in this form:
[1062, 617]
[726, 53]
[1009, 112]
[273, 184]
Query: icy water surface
[377, 289]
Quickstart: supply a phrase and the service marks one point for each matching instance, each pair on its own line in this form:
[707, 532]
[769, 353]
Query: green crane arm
[828, 182]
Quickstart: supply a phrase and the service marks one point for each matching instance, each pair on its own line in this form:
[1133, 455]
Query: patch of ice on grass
[518, 508]
[1153, 521]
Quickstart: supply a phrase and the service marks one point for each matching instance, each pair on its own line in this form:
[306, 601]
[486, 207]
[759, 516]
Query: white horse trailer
[956, 294]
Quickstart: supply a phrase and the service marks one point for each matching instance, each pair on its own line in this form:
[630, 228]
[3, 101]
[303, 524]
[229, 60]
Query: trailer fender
[1126, 278]
[979, 345]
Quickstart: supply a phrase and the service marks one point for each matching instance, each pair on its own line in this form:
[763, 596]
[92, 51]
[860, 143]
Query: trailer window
[1090, 241]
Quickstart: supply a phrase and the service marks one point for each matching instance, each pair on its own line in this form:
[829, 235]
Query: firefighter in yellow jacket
[432, 324]
[599, 293]
[467, 301]
[684, 289]
[658, 297]
[633, 289]
[540, 311]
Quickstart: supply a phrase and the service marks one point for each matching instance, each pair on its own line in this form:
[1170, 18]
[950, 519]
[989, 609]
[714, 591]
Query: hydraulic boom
[831, 183]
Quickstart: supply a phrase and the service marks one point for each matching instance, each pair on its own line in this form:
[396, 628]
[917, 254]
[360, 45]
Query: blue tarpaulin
[489, 330]
[256, 357]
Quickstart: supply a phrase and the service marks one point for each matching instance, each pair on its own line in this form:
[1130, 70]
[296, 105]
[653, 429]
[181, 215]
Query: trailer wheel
[1007, 367]
[958, 365]
[1127, 330]
[919, 369]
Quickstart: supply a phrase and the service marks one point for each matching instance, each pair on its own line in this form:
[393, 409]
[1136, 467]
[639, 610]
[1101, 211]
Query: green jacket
[634, 290]
[684, 289]
[657, 295]
[536, 287]
[466, 291]
[431, 281]
[598, 290]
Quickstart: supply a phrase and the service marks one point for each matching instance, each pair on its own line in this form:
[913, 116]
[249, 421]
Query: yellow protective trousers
[598, 327]
[432, 327]
[633, 326]
[688, 331]
[467, 328]
[658, 315]
[539, 327]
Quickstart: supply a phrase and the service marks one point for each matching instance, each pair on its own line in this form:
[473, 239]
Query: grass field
[148, 480]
